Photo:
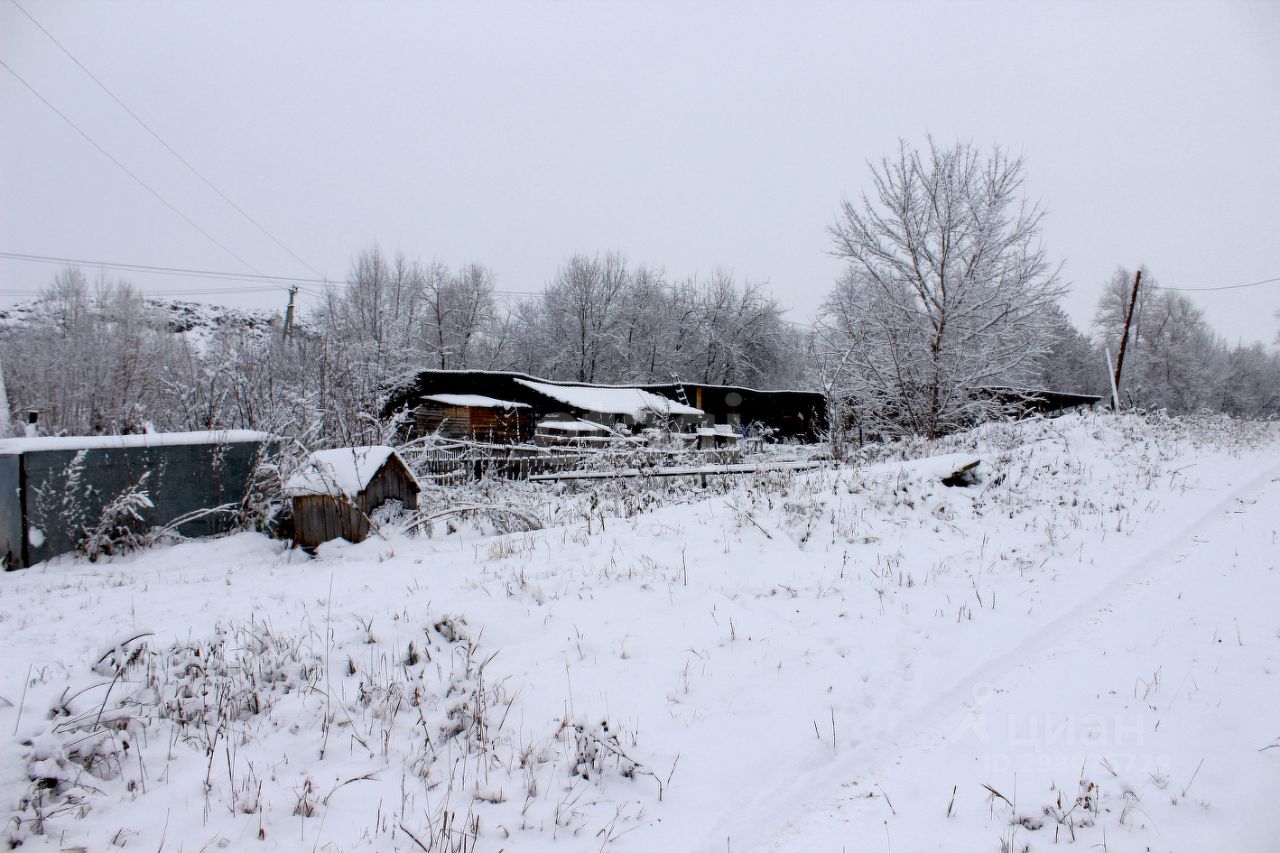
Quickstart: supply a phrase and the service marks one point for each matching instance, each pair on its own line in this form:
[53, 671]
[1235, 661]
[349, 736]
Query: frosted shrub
[240, 717]
[116, 530]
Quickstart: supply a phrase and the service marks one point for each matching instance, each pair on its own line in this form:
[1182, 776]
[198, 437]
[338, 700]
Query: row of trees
[600, 319]
[947, 295]
[98, 358]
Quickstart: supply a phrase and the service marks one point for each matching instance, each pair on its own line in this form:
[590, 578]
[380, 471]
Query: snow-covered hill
[197, 320]
[1080, 648]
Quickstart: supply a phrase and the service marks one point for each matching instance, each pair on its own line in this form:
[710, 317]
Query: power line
[312, 284]
[1223, 287]
[200, 291]
[126, 170]
[159, 139]
[153, 269]
[149, 268]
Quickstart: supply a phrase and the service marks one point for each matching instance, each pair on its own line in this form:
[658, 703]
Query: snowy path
[1182, 645]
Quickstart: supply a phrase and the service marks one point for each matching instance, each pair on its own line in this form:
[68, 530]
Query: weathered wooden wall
[393, 482]
[478, 423]
[320, 518]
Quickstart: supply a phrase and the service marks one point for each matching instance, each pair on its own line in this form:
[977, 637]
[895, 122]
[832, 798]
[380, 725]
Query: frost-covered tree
[1251, 382]
[459, 311]
[90, 358]
[946, 292]
[1173, 360]
[1070, 361]
[603, 320]
[741, 332]
[583, 309]
[101, 359]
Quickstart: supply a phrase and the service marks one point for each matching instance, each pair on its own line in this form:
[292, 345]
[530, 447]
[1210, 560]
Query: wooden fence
[702, 472]
[457, 464]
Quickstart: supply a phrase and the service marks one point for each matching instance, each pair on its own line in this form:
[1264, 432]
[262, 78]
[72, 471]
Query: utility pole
[1124, 341]
[288, 314]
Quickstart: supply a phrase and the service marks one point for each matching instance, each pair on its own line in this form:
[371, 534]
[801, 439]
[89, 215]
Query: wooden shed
[475, 417]
[335, 491]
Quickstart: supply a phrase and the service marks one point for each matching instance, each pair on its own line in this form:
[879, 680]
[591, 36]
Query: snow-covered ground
[1081, 648]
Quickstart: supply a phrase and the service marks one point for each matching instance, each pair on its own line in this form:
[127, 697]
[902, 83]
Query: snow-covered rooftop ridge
[574, 426]
[611, 401]
[570, 383]
[342, 472]
[719, 429]
[478, 400]
[112, 442]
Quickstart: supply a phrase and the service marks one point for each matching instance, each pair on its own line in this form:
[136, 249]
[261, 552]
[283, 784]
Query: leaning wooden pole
[1124, 341]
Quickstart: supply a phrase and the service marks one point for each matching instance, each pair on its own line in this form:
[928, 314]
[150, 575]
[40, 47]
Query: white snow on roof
[112, 442]
[344, 472]
[704, 385]
[611, 401]
[474, 400]
[574, 426]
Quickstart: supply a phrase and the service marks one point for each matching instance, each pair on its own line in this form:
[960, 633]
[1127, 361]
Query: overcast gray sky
[689, 136]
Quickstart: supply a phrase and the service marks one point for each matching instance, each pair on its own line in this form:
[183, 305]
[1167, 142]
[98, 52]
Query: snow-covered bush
[249, 718]
[117, 529]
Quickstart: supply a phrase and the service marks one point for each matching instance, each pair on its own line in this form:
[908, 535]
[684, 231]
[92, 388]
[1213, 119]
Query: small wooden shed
[476, 417]
[334, 492]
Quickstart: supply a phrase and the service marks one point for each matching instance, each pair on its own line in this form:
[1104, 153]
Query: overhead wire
[238, 209]
[152, 268]
[1222, 287]
[126, 169]
[200, 291]
[316, 285]
[321, 280]
[280, 280]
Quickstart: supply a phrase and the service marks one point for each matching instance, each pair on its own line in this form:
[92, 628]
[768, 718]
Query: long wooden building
[501, 401]
[788, 414]
[505, 407]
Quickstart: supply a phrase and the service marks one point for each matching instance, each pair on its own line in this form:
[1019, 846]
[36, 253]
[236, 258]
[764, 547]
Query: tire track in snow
[757, 823]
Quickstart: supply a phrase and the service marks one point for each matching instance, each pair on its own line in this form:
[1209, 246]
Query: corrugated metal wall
[11, 526]
[58, 493]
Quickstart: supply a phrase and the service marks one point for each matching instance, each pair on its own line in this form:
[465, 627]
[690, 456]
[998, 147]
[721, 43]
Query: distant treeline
[101, 359]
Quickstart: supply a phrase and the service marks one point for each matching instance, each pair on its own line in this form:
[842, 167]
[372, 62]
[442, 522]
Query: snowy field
[1080, 650]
